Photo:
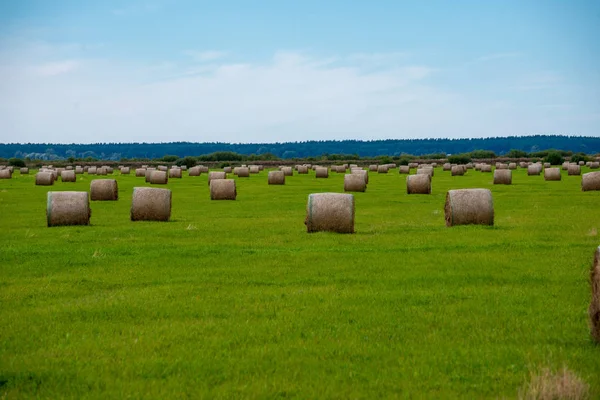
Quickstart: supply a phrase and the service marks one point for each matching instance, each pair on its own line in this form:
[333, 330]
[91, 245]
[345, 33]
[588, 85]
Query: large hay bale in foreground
[68, 175]
[418, 184]
[503, 177]
[404, 169]
[150, 204]
[590, 181]
[469, 206]
[68, 208]
[276, 178]
[44, 178]
[354, 183]
[104, 189]
[175, 173]
[574, 169]
[5, 174]
[222, 189]
[594, 309]
[321, 172]
[216, 175]
[552, 174]
[331, 212]
[159, 177]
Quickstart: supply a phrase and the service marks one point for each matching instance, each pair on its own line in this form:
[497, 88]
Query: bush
[169, 158]
[578, 157]
[514, 153]
[459, 159]
[554, 158]
[16, 162]
[188, 161]
[482, 154]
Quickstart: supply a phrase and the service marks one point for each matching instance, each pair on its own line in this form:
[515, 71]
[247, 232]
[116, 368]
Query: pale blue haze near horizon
[275, 71]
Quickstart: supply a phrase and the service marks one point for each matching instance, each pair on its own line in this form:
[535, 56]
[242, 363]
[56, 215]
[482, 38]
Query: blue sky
[267, 71]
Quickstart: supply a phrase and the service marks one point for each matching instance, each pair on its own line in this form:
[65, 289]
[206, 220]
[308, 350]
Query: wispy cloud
[55, 68]
[204, 56]
[498, 56]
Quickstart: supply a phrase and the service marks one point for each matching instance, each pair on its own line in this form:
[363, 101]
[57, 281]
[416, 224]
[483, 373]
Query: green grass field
[233, 299]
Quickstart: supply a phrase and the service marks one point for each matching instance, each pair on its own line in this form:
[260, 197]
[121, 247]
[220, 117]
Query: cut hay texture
[101, 171]
[68, 208]
[194, 171]
[565, 166]
[581, 163]
[162, 168]
[503, 177]
[418, 184]
[24, 171]
[404, 169]
[469, 206]
[150, 204]
[354, 183]
[159, 177]
[458, 170]
[552, 174]
[216, 175]
[140, 172]
[361, 172]
[331, 212]
[447, 167]
[547, 165]
[125, 170]
[92, 170]
[5, 174]
[321, 172]
[534, 169]
[184, 167]
[512, 165]
[243, 172]
[254, 169]
[425, 171]
[79, 170]
[594, 309]
[594, 165]
[175, 173]
[203, 169]
[501, 166]
[302, 169]
[549, 385]
[287, 171]
[222, 189]
[373, 167]
[148, 173]
[44, 178]
[276, 178]
[590, 181]
[382, 169]
[68, 176]
[104, 189]
[485, 168]
[227, 170]
[574, 169]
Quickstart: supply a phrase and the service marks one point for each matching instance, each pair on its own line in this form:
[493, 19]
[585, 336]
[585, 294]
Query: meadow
[233, 299]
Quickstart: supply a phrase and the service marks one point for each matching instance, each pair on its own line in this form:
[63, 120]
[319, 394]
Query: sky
[94, 71]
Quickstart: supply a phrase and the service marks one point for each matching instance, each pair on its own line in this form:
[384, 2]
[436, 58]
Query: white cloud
[55, 68]
[498, 56]
[203, 56]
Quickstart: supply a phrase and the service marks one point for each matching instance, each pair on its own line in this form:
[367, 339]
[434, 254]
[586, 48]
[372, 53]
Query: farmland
[234, 299]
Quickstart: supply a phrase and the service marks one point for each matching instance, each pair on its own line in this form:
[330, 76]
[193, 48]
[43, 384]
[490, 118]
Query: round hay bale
[469, 206]
[458, 170]
[354, 183]
[254, 169]
[148, 173]
[194, 171]
[24, 171]
[512, 165]
[501, 166]
[302, 169]
[175, 173]
[447, 167]
[503, 177]
[125, 170]
[162, 168]
[216, 175]
[184, 167]
[159, 178]
[104, 189]
[288, 171]
[594, 165]
[418, 184]
[594, 309]
[425, 171]
[44, 178]
[101, 171]
[581, 163]
[150, 204]
[321, 172]
[574, 169]
[590, 181]
[227, 170]
[79, 170]
[68, 176]
[276, 178]
[485, 168]
[565, 166]
[331, 212]
[404, 169]
[534, 169]
[139, 172]
[373, 167]
[547, 165]
[361, 172]
[382, 169]
[243, 172]
[92, 170]
[203, 169]
[69, 167]
[5, 174]
[222, 189]
[552, 174]
[68, 208]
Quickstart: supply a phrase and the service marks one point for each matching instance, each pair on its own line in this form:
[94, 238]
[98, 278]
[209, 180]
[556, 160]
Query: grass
[234, 299]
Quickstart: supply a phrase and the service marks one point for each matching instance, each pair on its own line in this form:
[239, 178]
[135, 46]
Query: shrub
[459, 159]
[16, 162]
[188, 161]
[578, 157]
[554, 158]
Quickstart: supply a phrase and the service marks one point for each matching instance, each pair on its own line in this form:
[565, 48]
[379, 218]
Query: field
[233, 299]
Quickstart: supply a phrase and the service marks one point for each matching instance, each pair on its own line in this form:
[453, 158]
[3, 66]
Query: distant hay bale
[139, 172]
[565, 166]
[330, 212]
[203, 169]
[148, 173]
[69, 167]
[254, 169]
[503, 177]
[590, 181]
[5, 174]
[404, 169]
[276, 178]
[287, 171]
[594, 165]
[447, 167]
[150, 204]
[162, 168]
[243, 172]
[361, 172]
[581, 163]
[24, 171]
[227, 170]
[185, 168]
[222, 189]
[44, 178]
[469, 206]
[574, 169]
[175, 173]
[159, 177]
[486, 168]
[413, 165]
[216, 175]
[101, 171]
[373, 167]
[104, 189]
[547, 165]
[512, 165]
[302, 169]
[458, 170]
[594, 309]
[354, 183]
[552, 174]
[382, 169]
[92, 170]
[125, 170]
[68, 208]
[523, 164]
[501, 165]
[68, 176]
[78, 170]
[534, 169]
[418, 184]
[425, 171]
[321, 172]
[194, 171]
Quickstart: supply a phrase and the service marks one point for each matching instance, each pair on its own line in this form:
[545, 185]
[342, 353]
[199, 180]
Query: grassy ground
[235, 299]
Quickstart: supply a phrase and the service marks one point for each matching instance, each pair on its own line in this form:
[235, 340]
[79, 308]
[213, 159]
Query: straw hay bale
[222, 189]
[404, 169]
[382, 169]
[159, 177]
[354, 183]
[194, 171]
[547, 165]
[276, 178]
[44, 178]
[185, 168]
[590, 181]
[321, 172]
[139, 172]
[565, 166]
[79, 170]
[552, 174]
[501, 165]
[503, 177]
[469, 206]
[486, 168]
[124, 170]
[361, 172]
[425, 171]
[150, 204]
[243, 172]
[523, 164]
[254, 169]
[581, 163]
[227, 170]
[101, 171]
[92, 170]
[331, 212]
[574, 169]
[203, 169]
[418, 184]
[59, 171]
[413, 165]
[352, 166]
[104, 189]
[148, 173]
[68, 208]
[447, 167]
[512, 165]
[216, 175]
[68, 176]
[162, 168]
[373, 167]
[24, 171]
[302, 169]
[175, 173]
[477, 166]
[458, 170]
[594, 309]
[534, 169]
[288, 171]
[5, 174]
[469, 165]
[594, 165]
